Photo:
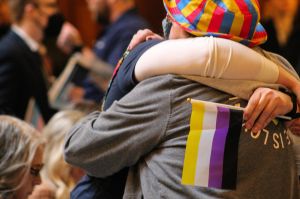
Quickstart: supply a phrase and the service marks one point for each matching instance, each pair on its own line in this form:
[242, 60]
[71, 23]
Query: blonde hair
[18, 144]
[56, 171]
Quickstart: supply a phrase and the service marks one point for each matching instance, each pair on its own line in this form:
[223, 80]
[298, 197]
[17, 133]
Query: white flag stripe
[205, 145]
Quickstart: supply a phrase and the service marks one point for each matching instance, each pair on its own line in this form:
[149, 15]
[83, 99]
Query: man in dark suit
[21, 72]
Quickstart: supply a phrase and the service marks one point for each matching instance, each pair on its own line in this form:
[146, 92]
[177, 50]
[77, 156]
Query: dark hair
[17, 8]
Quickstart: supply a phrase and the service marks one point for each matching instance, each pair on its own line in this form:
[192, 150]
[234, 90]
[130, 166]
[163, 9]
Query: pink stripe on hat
[247, 18]
[216, 20]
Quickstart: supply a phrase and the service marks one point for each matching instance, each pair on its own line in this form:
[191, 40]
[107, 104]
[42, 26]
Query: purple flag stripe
[218, 147]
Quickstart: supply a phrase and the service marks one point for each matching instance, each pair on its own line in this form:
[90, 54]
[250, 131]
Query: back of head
[237, 20]
[18, 143]
[56, 171]
[17, 8]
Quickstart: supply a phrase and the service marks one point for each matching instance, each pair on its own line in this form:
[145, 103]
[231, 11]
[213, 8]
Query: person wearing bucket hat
[252, 68]
[219, 58]
[147, 131]
[126, 192]
[188, 16]
[235, 20]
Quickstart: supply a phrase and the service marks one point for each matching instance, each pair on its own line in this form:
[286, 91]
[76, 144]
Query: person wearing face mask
[120, 21]
[21, 70]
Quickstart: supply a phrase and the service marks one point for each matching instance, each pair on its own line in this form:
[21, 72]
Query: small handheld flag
[212, 146]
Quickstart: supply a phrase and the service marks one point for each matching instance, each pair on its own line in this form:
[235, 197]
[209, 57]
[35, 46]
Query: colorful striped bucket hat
[237, 20]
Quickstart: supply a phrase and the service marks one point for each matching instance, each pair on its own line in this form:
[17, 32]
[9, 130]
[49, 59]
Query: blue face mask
[166, 25]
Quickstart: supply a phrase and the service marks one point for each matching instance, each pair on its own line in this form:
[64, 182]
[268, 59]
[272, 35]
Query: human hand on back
[141, 36]
[263, 106]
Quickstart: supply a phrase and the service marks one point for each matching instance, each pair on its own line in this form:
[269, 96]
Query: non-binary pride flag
[212, 147]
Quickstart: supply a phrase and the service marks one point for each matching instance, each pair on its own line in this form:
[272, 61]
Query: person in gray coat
[147, 130]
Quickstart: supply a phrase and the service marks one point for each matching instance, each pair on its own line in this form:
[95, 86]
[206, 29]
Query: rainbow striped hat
[237, 20]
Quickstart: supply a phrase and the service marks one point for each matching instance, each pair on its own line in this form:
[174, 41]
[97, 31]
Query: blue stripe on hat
[245, 42]
[221, 4]
[227, 19]
[227, 22]
[193, 25]
[181, 19]
[182, 4]
[260, 28]
[197, 19]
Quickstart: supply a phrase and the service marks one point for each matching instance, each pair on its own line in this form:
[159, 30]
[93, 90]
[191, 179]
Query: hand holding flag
[212, 145]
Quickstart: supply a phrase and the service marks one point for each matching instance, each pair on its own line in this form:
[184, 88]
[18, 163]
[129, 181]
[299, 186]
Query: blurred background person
[120, 21]
[56, 59]
[59, 53]
[281, 19]
[58, 177]
[4, 18]
[20, 159]
[21, 66]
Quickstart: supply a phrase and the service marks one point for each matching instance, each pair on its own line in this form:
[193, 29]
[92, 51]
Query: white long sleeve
[207, 57]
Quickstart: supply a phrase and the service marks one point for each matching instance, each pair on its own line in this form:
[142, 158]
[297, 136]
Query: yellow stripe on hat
[171, 4]
[237, 23]
[188, 173]
[190, 8]
[206, 18]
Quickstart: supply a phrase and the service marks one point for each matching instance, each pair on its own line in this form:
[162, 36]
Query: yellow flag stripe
[190, 160]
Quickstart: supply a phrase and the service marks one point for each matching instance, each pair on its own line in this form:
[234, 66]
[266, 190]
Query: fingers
[295, 130]
[141, 36]
[267, 115]
[154, 36]
[264, 105]
[256, 109]
[294, 126]
[253, 102]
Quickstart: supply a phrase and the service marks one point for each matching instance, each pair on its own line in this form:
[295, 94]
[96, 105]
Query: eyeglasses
[167, 25]
[35, 171]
